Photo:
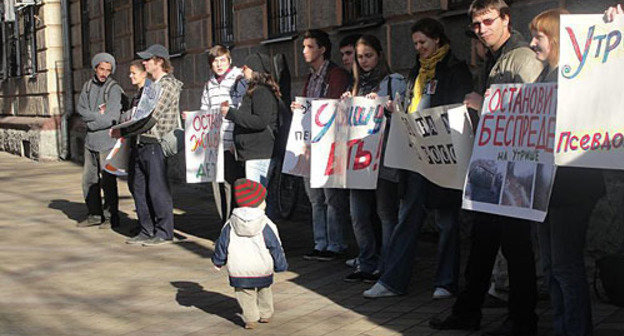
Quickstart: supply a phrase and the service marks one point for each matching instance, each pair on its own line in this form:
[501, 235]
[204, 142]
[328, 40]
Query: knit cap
[248, 193]
[103, 57]
[260, 63]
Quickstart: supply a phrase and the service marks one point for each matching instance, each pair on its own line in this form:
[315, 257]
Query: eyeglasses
[486, 22]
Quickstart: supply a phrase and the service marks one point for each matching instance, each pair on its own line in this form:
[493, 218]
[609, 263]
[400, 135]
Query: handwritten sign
[346, 142]
[204, 146]
[147, 104]
[590, 122]
[297, 156]
[436, 142]
[116, 162]
[512, 170]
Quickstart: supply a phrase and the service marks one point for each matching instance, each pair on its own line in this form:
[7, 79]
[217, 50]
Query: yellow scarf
[425, 74]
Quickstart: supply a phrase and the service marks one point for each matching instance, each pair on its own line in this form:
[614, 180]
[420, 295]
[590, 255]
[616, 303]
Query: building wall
[32, 104]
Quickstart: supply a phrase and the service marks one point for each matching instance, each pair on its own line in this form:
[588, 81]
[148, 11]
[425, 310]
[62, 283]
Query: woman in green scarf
[437, 79]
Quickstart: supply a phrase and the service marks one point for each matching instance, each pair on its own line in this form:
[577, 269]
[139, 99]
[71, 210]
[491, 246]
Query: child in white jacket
[250, 246]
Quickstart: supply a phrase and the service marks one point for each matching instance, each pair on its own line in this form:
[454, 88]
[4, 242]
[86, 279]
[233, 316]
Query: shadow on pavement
[192, 294]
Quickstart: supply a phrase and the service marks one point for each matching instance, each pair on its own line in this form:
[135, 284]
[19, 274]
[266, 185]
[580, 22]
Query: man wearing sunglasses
[508, 60]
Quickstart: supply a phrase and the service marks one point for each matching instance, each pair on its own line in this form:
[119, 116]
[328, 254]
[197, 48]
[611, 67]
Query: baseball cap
[157, 50]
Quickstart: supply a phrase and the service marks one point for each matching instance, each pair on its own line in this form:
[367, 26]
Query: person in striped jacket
[226, 83]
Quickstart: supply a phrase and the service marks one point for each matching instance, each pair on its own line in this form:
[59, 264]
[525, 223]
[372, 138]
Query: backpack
[125, 100]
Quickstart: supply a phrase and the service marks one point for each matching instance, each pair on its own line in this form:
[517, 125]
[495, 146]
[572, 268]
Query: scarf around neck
[425, 74]
[369, 81]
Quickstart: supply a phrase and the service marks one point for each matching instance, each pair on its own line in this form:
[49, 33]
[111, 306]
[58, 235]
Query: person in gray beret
[100, 106]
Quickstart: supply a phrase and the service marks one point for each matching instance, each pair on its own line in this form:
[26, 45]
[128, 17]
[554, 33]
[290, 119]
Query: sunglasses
[487, 22]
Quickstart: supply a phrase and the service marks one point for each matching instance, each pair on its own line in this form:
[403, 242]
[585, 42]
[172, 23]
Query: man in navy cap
[148, 168]
[100, 106]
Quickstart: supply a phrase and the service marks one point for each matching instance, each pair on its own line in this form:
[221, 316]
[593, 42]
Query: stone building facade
[33, 114]
[30, 79]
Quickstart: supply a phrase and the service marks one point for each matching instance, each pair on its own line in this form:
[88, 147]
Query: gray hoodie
[97, 138]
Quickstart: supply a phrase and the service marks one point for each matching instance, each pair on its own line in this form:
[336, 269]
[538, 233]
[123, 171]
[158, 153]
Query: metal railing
[222, 22]
[282, 17]
[358, 11]
[138, 25]
[177, 23]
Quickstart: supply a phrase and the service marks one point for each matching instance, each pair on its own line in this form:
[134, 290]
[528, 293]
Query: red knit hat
[248, 193]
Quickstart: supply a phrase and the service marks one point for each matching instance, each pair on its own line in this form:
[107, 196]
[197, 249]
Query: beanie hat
[260, 63]
[103, 57]
[248, 193]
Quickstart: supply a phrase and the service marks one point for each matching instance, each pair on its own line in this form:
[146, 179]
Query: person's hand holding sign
[346, 95]
[372, 96]
[295, 106]
[225, 108]
[115, 133]
[474, 101]
[611, 12]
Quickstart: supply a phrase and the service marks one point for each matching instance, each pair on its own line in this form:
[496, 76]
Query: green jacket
[516, 64]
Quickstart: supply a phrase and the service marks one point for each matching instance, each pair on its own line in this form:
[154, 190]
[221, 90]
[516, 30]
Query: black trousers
[513, 236]
[151, 192]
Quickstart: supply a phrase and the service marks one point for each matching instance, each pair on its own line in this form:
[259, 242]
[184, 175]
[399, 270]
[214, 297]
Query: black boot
[456, 322]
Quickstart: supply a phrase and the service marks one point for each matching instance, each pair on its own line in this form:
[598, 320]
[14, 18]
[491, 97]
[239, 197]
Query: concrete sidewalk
[57, 279]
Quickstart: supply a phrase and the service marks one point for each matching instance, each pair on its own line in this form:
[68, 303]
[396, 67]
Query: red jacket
[337, 81]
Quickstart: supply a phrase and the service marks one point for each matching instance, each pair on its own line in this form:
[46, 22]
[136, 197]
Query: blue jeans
[330, 217]
[562, 242]
[362, 206]
[401, 250]
[447, 274]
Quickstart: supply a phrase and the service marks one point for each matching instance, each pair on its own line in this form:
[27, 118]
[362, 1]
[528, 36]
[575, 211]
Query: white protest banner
[590, 121]
[204, 146]
[512, 170]
[436, 143]
[347, 136]
[116, 161]
[297, 156]
[147, 103]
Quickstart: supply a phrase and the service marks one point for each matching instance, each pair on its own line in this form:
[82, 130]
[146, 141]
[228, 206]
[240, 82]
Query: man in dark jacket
[330, 216]
[100, 106]
[508, 60]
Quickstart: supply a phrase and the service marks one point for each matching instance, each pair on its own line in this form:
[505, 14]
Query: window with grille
[458, 4]
[30, 41]
[282, 17]
[109, 33]
[222, 22]
[138, 25]
[360, 11]
[176, 27]
[86, 33]
[10, 51]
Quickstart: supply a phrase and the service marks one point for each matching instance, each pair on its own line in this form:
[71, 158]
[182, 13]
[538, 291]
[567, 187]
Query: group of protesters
[385, 221]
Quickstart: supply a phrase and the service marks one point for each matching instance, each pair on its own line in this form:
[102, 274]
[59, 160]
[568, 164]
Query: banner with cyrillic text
[204, 146]
[436, 142]
[590, 116]
[347, 136]
[511, 172]
[146, 105]
[116, 162]
[297, 156]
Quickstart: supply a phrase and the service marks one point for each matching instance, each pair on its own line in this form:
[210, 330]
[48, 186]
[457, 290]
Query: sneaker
[328, 256]
[105, 225]
[353, 263]
[378, 291]
[264, 320]
[250, 325]
[442, 293]
[509, 328]
[312, 255]
[138, 239]
[111, 222]
[90, 221]
[156, 241]
[358, 276]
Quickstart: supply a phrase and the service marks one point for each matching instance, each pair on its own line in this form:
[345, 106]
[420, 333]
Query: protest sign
[204, 146]
[512, 171]
[147, 104]
[297, 156]
[347, 136]
[590, 122]
[116, 162]
[435, 142]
